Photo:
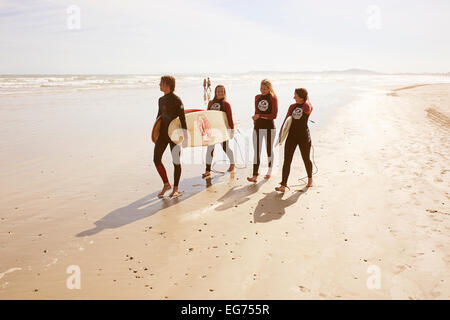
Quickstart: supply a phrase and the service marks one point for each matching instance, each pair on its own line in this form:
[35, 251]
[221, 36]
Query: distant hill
[348, 71]
[353, 71]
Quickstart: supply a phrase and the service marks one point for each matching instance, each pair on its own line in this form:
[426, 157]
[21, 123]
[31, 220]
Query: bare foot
[252, 179]
[206, 175]
[281, 189]
[310, 183]
[268, 174]
[231, 168]
[175, 193]
[166, 187]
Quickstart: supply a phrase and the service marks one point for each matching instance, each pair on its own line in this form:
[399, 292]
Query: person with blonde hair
[266, 109]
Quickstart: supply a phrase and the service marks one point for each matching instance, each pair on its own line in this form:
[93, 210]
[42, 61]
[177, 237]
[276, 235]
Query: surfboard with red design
[204, 128]
[157, 125]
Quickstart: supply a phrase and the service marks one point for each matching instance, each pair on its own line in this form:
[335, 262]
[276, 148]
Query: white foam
[55, 260]
[9, 271]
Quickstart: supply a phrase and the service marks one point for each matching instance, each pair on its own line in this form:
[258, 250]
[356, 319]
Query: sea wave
[22, 84]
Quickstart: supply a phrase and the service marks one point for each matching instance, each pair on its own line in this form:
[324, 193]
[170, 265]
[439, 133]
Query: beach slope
[376, 224]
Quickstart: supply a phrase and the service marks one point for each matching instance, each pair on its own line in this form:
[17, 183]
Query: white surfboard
[157, 125]
[204, 128]
[284, 132]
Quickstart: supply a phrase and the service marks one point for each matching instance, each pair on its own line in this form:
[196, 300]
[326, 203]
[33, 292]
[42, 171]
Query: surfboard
[204, 128]
[284, 132]
[157, 125]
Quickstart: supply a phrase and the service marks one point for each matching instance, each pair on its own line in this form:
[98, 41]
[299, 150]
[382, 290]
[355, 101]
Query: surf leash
[223, 161]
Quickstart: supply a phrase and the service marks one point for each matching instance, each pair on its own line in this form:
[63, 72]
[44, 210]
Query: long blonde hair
[268, 84]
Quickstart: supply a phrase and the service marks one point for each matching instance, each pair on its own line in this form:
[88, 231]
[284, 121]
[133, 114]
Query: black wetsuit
[266, 106]
[298, 136]
[170, 107]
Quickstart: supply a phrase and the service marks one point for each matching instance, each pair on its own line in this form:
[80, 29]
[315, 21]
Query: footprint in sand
[304, 289]
[399, 269]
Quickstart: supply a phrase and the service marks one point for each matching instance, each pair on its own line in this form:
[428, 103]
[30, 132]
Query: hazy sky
[147, 36]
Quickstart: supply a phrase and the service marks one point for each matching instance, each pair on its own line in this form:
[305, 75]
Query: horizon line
[351, 70]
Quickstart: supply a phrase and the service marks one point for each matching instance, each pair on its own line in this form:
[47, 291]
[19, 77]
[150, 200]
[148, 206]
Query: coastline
[380, 202]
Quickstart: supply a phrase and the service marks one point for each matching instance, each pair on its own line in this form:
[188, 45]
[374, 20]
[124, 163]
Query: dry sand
[380, 203]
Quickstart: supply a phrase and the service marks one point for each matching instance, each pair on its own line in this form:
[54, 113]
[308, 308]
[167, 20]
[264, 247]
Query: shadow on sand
[144, 207]
[236, 196]
[273, 207]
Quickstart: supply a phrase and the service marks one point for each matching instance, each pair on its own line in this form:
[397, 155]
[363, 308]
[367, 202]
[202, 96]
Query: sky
[219, 36]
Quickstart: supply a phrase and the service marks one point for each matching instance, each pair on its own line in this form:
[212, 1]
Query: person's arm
[227, 108]
[256, 104]
[307, 108]
[159, 110]
[273, 114]
[181, 115]
[183, 122]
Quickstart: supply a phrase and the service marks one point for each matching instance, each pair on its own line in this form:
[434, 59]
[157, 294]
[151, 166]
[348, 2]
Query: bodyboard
[157, 125]
[204, 128]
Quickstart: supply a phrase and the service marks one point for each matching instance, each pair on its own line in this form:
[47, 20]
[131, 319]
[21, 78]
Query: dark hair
[215, 91]
[302, 93]
[170, 81]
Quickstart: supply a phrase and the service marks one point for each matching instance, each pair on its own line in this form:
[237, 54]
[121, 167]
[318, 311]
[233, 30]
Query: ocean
[60, 117]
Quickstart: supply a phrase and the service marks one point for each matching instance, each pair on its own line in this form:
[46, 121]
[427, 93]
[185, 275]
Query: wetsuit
[170, 107]
[298, 136]
[220, 105]
[267, 108]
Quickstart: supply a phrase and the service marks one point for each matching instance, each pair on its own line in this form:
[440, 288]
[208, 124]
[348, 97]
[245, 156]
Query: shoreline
[234, 240]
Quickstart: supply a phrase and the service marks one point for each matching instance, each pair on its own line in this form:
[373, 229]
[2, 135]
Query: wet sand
[379, 208]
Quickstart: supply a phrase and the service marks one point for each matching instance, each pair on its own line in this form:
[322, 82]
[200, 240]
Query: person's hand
[255, 117]
[184, 144]
[231, 134]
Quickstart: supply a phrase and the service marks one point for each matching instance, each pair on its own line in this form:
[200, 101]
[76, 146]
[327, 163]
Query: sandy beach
[379, 207]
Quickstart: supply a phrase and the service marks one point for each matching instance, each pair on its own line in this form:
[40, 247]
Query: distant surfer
[266, 109]
[205, 92]
[219, 103]
[208, 89]
[298, 136]
[170, 107]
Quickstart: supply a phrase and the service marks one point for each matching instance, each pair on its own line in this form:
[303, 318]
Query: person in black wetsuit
[298, 136]
[170, 107]
[266, 109]
[220, 103]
